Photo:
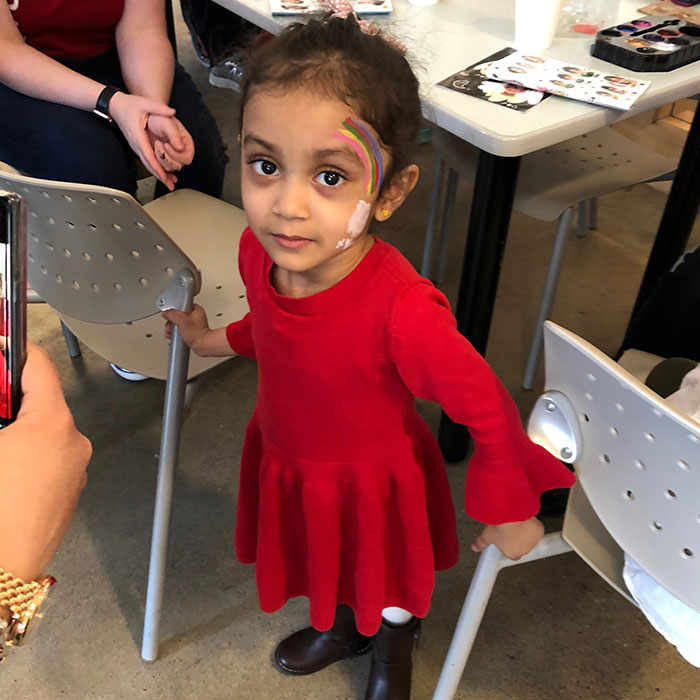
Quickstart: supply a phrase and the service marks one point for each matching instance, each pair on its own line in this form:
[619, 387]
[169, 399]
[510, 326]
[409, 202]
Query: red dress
[343, 493]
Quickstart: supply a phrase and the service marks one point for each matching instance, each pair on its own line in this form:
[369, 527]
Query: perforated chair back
[94, 253]
[555, 178]
[638, 461]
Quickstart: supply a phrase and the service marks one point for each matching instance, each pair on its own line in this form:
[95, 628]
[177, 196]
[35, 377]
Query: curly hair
[334, 58]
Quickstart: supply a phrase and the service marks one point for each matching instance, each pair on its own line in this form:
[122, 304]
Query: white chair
[637, 461]
[108, 267]
[551, 182]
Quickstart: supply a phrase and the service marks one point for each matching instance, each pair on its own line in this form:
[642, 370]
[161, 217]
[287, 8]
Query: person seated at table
[61, 59]
[667, 323]
[222, 40]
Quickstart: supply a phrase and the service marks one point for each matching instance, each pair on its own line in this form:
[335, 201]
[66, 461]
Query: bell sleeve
[507, 472]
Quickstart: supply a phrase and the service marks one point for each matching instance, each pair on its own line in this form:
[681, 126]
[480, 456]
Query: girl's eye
[264, 167]
[329, 178]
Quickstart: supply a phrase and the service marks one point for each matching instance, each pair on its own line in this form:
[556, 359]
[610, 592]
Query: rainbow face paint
[363, 142]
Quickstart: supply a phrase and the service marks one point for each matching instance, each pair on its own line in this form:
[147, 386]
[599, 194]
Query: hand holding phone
[13, 303]
[43, 458]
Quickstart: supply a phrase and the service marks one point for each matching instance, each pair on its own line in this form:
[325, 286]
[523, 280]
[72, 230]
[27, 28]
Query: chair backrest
[93, 252]
[638, 462]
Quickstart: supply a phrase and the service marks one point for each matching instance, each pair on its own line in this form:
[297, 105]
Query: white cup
[536, 23]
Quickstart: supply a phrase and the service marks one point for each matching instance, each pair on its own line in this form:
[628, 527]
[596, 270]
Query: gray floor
[553, 629]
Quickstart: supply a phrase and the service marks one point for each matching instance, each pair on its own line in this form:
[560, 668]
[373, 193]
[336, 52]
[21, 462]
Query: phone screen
[13, 294]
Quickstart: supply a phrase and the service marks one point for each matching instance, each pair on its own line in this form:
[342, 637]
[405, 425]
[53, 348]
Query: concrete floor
[553, 628]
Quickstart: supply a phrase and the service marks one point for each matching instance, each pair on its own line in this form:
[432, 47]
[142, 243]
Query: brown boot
[390, 673]
[309, 650]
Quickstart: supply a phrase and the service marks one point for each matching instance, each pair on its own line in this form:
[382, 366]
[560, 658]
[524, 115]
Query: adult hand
[171, 142]
[43, 459]
[515, 540]
[131, 114]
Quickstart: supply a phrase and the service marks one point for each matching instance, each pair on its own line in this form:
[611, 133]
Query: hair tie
[343, 9]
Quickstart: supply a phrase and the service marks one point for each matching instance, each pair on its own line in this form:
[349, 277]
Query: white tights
[396, 616]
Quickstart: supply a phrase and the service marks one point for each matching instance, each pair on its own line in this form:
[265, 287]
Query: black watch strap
[102, 104]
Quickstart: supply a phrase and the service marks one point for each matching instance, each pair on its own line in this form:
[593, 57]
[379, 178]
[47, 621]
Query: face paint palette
[649, 44]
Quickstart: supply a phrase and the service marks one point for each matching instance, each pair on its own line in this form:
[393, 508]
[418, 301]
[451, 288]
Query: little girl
[343, 493]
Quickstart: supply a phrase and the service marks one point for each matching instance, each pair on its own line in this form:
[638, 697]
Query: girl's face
[309, 189]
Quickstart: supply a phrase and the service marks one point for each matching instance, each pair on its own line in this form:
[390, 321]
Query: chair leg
[593, 213]
[426, 263]
[582, 219]
[490, 563]
[452, 180]
[173, 413]
[190, 390]
[547, 301]
[71, 341]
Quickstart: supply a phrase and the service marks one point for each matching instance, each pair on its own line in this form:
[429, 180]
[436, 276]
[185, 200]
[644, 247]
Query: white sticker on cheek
[356, 224]
[359, 218]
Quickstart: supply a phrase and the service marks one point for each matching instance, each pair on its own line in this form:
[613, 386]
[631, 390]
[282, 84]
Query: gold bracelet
[22, 600]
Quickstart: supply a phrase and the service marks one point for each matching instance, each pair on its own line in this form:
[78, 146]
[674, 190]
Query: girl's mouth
[290, 242]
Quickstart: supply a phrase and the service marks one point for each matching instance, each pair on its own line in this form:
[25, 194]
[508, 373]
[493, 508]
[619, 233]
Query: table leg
[679, 215]
[492, 204]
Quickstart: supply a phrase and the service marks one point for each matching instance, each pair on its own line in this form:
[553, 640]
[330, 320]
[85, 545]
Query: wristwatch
[19, 608]
[102, 104]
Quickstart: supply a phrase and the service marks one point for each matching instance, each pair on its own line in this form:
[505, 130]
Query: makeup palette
[649, 44]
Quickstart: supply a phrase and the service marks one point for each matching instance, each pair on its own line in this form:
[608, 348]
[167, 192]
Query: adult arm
[145, 52]
[32, 73]
[148, 65]
[43, 459]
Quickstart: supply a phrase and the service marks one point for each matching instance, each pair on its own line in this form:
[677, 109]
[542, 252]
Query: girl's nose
[291, 201]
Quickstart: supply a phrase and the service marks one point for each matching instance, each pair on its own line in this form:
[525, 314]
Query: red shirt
[68, 28]
[343, 494]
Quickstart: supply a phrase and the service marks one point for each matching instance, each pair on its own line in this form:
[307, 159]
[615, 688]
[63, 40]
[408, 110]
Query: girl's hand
[193, 327]
[171, 142]
[515, 540]
[131, 114]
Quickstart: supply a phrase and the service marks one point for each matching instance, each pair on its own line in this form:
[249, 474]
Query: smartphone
[13, 303]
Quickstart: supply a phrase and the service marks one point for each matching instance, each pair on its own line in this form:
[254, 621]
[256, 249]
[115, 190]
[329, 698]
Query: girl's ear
[395, 192]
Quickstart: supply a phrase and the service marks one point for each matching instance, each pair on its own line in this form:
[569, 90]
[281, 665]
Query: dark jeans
[668, 324]
[55, 142]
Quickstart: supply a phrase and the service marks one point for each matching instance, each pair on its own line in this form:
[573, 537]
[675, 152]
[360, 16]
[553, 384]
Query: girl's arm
[194, 330]
[507, 473]
[32, 73]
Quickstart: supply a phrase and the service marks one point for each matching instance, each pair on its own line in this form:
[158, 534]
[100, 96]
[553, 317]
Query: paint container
[536, 23]
[581, 17]
[657, 44]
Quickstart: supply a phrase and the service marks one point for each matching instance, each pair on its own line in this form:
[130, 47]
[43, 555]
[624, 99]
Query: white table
[453, 34]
